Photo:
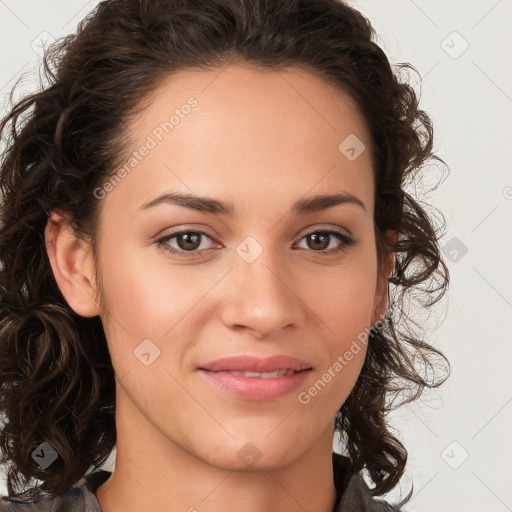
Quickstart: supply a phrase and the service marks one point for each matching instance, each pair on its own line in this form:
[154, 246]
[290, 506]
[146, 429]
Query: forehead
[240, 130]
[245, 96]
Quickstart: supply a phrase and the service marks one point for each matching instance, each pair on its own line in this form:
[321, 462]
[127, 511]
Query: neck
[153, 473]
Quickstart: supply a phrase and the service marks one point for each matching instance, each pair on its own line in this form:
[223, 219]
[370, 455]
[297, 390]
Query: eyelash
[346, 240]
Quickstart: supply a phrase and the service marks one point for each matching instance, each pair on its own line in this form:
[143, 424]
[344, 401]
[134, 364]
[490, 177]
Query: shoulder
[357, 497]
[355, 494]
[79, 498]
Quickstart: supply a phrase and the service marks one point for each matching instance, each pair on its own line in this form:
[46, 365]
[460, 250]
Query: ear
[72, 264]
[381, 292]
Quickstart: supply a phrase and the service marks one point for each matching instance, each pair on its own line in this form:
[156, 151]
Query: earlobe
[72, 265]
[381, 295]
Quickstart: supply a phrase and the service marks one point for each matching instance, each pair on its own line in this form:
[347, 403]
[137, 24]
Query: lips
[250, 378]
[260, 367]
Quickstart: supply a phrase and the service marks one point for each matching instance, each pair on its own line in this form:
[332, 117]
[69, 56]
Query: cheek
[151, 301]
[343, 297]
[344, 316]
[133, 306]
[322, 398]
[141, 293]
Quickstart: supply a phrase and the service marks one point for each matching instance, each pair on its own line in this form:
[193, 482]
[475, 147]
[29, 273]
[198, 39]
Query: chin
[255, 455]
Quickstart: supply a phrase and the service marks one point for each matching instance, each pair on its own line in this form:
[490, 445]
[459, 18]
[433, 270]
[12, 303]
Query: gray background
[458, 437]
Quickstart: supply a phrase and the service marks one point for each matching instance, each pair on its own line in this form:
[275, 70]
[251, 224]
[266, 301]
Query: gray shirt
[353, 494]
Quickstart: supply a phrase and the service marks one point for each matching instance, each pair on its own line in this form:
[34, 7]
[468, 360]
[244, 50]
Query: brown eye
[319, 241]
[186, 241]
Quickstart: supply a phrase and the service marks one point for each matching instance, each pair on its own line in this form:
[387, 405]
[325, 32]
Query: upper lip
[254, 364]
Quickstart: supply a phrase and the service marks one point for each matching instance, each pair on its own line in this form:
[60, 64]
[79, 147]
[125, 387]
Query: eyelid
[341, 234]
[185, 228]
[325, 227]
[214, 235]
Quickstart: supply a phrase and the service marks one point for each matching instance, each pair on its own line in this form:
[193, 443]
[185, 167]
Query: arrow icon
[40, 456]
[146, 352]
[351, 147]
[255, 249]
[46, 454]
[454, 455]
[454, 45]
[249, 454]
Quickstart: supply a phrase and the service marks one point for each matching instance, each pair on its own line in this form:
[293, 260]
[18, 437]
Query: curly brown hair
[57, 383]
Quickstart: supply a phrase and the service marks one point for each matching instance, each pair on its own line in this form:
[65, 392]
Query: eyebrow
[216, 207]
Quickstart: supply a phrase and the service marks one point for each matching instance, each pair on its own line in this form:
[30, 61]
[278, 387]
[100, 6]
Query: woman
[202, 212]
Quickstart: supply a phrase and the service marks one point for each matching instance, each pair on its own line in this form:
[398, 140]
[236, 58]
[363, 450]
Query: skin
[261, 140]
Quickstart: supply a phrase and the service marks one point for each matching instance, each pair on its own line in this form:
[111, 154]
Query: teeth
[264, 375]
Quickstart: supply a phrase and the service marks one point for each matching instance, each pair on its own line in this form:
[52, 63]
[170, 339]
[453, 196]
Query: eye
[321, 239]
[189, 242]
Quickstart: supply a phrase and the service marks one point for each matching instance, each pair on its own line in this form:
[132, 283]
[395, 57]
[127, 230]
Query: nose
[263, 296]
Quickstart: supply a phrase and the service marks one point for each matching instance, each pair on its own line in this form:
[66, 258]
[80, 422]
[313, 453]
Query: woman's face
[261, 281]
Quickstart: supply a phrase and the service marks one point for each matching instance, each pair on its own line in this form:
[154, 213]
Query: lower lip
[256, 388]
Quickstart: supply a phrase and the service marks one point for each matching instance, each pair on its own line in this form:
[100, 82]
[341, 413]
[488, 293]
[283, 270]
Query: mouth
[260, 375]
[254, 365]
[256, 386]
